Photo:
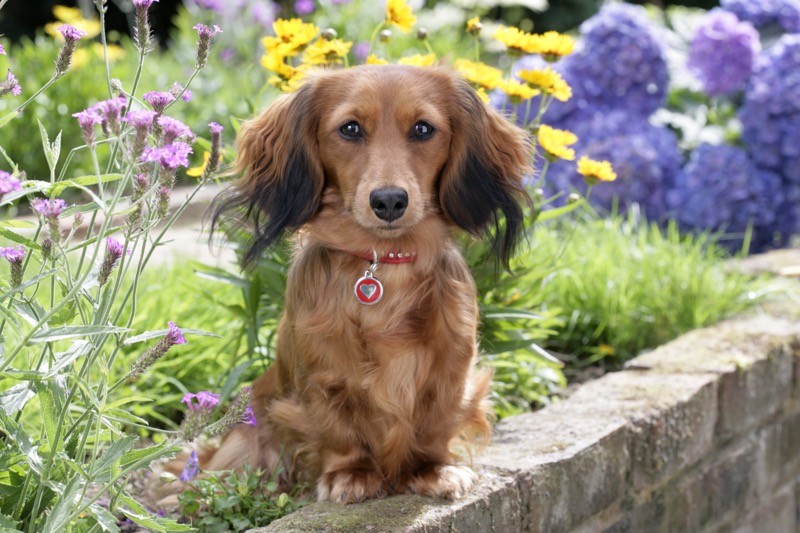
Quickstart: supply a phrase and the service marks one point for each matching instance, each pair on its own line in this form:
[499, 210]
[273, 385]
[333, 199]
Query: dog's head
[387, 147]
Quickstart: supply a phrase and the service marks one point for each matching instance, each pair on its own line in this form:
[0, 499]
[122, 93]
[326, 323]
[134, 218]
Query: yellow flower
[552, 45]
[399, 14]
[548, 81]
[517, 92]
[275, 61]
[196, 172]
[556, 143]
[290, 36]
[479, 74]
[83, 55]
[73, 17]
[594, 171]
[474, 25]
[516, 40]
[418, 60]
[372, 59]
[481, 92]
[325, 52]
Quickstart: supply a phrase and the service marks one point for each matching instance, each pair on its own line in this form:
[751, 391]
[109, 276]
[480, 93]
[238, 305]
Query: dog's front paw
[350, 486]
[445, 481]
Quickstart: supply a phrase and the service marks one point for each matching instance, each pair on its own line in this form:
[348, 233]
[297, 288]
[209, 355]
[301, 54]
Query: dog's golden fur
[366, 401]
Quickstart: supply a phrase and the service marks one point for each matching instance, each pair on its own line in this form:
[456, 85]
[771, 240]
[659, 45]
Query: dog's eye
[422, 131]
[351, 130]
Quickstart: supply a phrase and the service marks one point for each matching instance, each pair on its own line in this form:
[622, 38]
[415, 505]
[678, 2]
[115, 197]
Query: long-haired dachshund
[374, 386]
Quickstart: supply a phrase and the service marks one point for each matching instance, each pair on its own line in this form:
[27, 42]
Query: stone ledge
[703, 415]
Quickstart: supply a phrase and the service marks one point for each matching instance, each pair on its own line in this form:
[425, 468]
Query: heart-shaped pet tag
[368, 289]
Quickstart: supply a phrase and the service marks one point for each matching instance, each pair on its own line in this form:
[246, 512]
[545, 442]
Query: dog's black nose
[388, 203]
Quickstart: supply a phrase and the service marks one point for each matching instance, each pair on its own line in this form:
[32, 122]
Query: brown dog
[374, 383]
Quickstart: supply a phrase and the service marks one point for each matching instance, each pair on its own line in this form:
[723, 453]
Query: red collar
[389, 258]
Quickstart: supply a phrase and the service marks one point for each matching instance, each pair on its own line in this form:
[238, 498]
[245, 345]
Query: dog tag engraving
[368, 289]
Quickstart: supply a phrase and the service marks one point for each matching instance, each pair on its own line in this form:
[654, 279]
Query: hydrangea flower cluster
[723, 51]
[763, 13]
[646, 160]
[722, 190]
[770, 114]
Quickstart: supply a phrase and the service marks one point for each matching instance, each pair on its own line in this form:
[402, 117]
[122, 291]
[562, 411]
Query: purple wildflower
[87, 119]
[174, 334]
[110, 111]
[141, 28]
[49, 208]
[71, 36]
[723, 51]
[47, 248]
[249, 417]
[304, 7]
[191, 468]
[2, 50]
[177, 90]
[159, 100]
[143, 3]
[162, 201]
[204, 35]
[8, 183]
[10, 85]
[216, 150]
[154, 353]
[201, 408]
[205, 400]
[212, 5]
[264, 13]
[141, 119]
[15, 257]
[173, 129]
[170, 156]
[114, 251]
[361, 50]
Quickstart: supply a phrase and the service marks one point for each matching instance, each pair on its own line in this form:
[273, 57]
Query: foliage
[230, 501]
[627, 285]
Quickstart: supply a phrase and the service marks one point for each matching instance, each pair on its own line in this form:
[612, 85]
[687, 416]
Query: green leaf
[104, 519]
[83, 181]
[34, 280]
[550, 214]
[59, 514]
[113, 454]
[18, 224]
[135, 459]
[9, 117]
[76, 349]
[14, 399]
[49, 409]
[68, 332]
[223, 277]
[19, 239]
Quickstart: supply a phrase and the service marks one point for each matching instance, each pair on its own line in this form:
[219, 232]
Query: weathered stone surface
[779, 514]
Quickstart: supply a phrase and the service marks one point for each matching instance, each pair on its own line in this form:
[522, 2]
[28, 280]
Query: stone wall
[702, 434]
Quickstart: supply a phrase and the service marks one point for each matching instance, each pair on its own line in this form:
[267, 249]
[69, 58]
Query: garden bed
[700, 433]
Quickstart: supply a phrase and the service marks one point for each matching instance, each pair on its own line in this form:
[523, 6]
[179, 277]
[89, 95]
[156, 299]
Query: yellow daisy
[516, 40]
[73, 17]
[474, 25]
[290, 36]
[196, 172]
[548, 81]
[556, 143]
[398, 13]
[275, 61]
[418, 60]
[479, 74]
[517, 92]
[372, 59]
[326, 52]
[552, 45]
[594, 171]
[481, 92]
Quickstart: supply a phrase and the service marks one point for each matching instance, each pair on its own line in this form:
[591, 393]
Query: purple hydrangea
[763, 13]
[646, 159]
[770, 114]
[304, 7]
[212, 5]
[617, 65]
[722, 191]
[170, 156]
[8, 183]
[723, 51]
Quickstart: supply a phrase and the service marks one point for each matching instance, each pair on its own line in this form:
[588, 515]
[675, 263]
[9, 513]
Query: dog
[373, 170]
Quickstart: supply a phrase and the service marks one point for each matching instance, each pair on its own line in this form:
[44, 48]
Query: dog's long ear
[489, 157]
[281, 176]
